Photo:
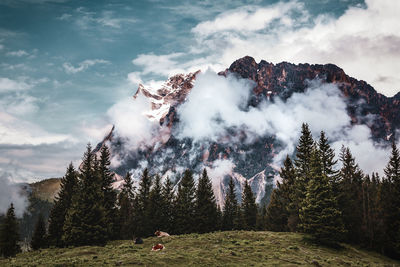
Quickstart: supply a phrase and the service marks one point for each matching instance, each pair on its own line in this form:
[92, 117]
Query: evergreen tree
[109, 194]
[229, 214]
[61, 205]
[350, 196]
[303, 155]
[39, 234]
[141, 207]
[125, 213]
[156, 214]
[319, 213]
[328, 161]
[262, 218]
[392, 170]
[206, 213]
[218, 224]
[371, 225]
[167, 204]
[9, 236]
[85, 222]
[184, 210]
[392, 204]
[281, 211]
[276, 213]
[302, 167]
[249, 208]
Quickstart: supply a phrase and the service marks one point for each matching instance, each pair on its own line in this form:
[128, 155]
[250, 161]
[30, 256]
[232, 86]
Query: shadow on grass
[307, 239]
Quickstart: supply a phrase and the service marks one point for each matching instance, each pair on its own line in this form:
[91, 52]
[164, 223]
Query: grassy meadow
[235, 248]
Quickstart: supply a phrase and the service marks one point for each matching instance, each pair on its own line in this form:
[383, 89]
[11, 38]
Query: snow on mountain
[249, 145]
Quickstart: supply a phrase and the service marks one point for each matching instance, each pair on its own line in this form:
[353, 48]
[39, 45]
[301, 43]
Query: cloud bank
[216, 108]
[363, 41]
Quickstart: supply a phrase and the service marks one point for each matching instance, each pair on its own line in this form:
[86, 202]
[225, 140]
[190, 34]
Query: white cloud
[213, 105]
[19, 104]
[159, 64]
[82, 66]
[134, 77]
[248, 19]
[10, 85]
[363, 41]
[90, 20]
[131, 122]
[18, 53]
[96, 132]
[216, 110]
[64, 16]
[14, 131]
[11, 193]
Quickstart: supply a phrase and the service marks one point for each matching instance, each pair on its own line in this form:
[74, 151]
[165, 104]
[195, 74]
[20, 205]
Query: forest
[332, 201]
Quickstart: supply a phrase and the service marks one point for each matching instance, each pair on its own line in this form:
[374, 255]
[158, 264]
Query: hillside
[237, 248]
[46, 189]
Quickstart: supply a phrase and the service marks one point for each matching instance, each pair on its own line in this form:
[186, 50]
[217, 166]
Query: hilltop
[234, 248]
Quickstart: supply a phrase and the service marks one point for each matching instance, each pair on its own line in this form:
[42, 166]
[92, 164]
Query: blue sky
[64, 64]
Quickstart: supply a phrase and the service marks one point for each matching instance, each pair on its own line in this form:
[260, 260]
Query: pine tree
[249, 208]
[218, 223]
[303, 155]
[141, 207]
[61, 205]
[9, 236]
[229, 214]
[167, 205]
[319, 213]
[392, 203]
[109, 194]
[371, 218]
[328, 161]
[262, 218]
[184, 207]
[350, 196]
[392, 170]
[39, 234]
[206, 213]
[156, 215]
[125, 213]
[276, 213]
[281, 211]
[302, 167]
[85, 222]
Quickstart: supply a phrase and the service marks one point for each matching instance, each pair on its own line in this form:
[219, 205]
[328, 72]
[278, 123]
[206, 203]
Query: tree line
[337, 205]
[89, 211]
[331, 205]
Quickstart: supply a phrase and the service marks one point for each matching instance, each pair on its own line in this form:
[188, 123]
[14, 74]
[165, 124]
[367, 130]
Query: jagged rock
[171, 155]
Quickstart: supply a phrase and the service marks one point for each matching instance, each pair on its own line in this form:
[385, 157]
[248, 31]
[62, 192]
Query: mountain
[169, 153]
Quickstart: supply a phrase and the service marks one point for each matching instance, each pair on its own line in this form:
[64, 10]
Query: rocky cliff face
[284, 79]
[170, 155]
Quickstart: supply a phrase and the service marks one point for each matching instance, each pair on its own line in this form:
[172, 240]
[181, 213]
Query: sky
[65, 63]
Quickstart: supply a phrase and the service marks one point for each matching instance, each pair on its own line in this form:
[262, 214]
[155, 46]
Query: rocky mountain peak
[249, 161]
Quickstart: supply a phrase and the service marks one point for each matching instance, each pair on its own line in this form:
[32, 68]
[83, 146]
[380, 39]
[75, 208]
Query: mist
[11, 192]
[216, 105]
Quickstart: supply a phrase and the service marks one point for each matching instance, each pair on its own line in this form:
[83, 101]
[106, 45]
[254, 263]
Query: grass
[236, 248]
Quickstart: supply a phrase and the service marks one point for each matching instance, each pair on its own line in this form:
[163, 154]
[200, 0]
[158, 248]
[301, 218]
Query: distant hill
[46, 189]
[237, 248]
[41, 198]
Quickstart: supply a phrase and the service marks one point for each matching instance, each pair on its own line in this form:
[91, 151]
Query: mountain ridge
[169, 155]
